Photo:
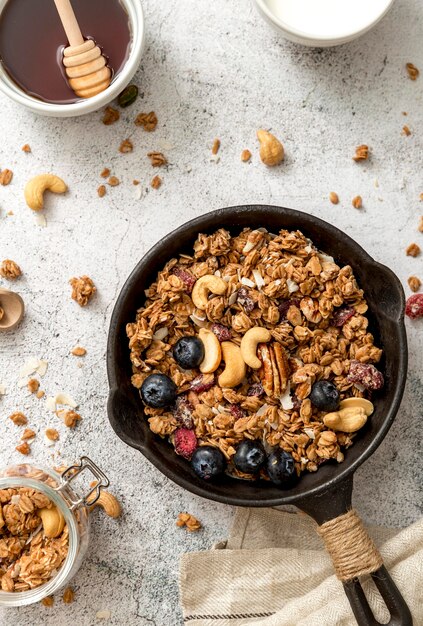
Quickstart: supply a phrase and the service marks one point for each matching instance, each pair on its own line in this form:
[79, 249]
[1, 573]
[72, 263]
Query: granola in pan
[253, 356]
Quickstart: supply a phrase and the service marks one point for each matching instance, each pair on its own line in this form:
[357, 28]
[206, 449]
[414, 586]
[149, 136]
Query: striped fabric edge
[222, 617]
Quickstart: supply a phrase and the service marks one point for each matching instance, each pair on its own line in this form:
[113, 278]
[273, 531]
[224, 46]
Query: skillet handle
[332, 510]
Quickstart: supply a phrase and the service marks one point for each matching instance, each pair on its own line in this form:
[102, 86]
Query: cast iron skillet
[325, 494]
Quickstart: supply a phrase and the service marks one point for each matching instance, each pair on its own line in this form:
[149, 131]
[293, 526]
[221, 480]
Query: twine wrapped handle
[351, 548]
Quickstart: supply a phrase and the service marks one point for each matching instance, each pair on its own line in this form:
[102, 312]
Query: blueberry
[250, 456]
[281, 469]
[158, 391]
[188, 352]
[208, 462]
[325, 396]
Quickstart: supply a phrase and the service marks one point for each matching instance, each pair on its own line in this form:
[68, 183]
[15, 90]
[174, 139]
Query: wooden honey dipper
[84, 63]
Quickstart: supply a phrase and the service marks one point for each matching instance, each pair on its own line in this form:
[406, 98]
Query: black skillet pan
[325, 494]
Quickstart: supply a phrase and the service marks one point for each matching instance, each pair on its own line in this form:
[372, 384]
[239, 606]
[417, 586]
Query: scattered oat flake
[10, 270]
[105, 173]
[113, 181]
[40, 394]
[6, 177]
[414, 283]
[110, 116]
[413, 72]
[28, 433]
[10, 213]
[148, 121]
[103, 614]
[413, 250]
[101, 191]
[420, 226]
[79, 351]
[245, 156]
[357, 202]
[406, 130]
[361, 153]
[135, 182]
[52, 434]
[18, 418]
[23, 448]
[48, 601]
[188, 521]
[157, 159]
[216, 146]
[26, 148]
[33, 385]
[68, 595]
[156, 182]
[126, 146]
[333, 197]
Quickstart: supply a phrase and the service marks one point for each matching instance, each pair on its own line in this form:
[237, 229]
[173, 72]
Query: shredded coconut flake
[60, 398]
[198, 321]
[103, 614]
[259, 279]
[262, 410]
[247, 282]
[40, 220]
[286, 400]
[232, 298]
[161, 333]
[310, 433]
[3, 390]
[326, 258]
[292, 285]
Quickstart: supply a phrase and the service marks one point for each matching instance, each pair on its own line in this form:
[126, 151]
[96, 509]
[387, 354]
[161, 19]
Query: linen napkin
[274, 571]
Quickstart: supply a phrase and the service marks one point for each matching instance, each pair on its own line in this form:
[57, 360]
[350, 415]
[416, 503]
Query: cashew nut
[235, 368]
[53, 521]
[271, 149]
[347, 420]
[205, 285]
[35, 188]
[361, 403]
[212, 351]
[108, 503]
[249, 343]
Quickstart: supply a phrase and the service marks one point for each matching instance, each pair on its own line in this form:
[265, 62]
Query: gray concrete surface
[211, 69]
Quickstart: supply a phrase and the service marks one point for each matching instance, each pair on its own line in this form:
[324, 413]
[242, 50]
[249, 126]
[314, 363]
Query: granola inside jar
[255, 337]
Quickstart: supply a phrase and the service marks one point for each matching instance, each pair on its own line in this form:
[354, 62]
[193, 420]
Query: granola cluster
[315, 313]
[28, 557]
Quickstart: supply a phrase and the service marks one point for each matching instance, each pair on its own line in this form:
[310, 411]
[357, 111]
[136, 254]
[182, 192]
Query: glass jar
[75, 510]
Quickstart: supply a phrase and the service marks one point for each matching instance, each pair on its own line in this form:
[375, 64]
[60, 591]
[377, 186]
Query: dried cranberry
[201, 383]
[365, 374]
[187, 278]
[414, 306]
[342, 315]
[296, 403]
[245, 300]
[183, 411]
[223, 333]
[185, 442]
[255, 390]
[284, 307]
[236, 411]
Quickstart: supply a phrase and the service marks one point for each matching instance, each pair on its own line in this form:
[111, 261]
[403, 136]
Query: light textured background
[211, 69]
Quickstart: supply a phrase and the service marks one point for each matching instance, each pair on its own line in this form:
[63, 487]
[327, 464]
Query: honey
[32, 41]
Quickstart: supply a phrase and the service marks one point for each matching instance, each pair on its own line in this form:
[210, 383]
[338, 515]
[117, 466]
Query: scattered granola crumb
[33, 385]
[68, 595]
[357, 202]
[147, 120]
[191, 523]
[52, 434]
[135, 182]
[111, 116]
[28, 433]
[157, 159]
[24, 448]
[156, 182]
[26, 148]
[245, 156]
[420, 226]
[413, 72]
[361, 153]
[78, 351]
[9, 269]
[406, 130]
[113, 181]
[18, 418]
[414, 283]
[5, 177]
[83, 289]
[10, 213]
[216, 146]
[126, 146]
[413, 250]
[421, 197]
[101, 191]
[333, 197]
[40, 394]
[105, 173]
[69, 417]
[405, 113]
[49, 601]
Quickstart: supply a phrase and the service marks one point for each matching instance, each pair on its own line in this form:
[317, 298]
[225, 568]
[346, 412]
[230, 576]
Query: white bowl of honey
[32, 72]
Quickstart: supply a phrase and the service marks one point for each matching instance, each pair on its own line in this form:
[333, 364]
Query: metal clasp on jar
[71, 472]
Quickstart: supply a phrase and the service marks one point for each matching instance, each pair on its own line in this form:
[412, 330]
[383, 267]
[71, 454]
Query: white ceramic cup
[136, 19]
[320, 39]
